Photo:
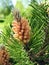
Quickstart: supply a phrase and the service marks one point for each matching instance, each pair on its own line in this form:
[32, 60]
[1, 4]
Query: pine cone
[4, 57]
[21, 30]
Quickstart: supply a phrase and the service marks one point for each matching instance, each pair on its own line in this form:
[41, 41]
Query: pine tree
[36, 51]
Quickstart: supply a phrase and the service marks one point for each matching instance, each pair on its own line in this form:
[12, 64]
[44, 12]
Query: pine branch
[32, 55]
[46, 43]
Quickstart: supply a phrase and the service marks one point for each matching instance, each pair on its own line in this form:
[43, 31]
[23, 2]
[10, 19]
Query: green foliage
[38, 19]
[20, 6]
[9, 19]
[15, 48]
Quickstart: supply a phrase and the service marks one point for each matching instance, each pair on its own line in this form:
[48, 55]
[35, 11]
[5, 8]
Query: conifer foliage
[34, 34]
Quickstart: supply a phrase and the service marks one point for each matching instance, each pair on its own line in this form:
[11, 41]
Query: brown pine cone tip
[4, 56]
[16, 14]
[21, 30]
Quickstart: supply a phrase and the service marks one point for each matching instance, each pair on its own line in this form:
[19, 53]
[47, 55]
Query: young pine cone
[4, 57]
[21, 30]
